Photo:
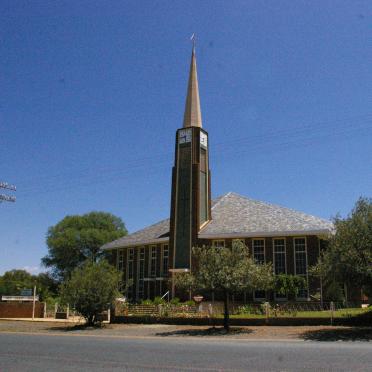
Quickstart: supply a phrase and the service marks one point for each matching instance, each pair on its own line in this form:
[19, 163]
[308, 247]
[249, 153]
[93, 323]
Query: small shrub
[334, 292]
[292, 312]
[189, 303]
[245, 309]
[91, 288]
[264, 306]
[158, 301]
[289, 285]
[175, 301]
[146, 302]
[251, 309]
[51, 301]
[166, 313]
[276, 310]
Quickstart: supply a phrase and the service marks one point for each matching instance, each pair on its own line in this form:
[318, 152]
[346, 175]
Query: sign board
[26, 292]
[19, 298]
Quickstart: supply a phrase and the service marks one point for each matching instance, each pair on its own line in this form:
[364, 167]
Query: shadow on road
[205, 332]
[77, 327]
[344, 334]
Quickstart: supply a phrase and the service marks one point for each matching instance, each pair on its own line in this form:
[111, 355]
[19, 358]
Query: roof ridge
[220, 198]
[154, 224]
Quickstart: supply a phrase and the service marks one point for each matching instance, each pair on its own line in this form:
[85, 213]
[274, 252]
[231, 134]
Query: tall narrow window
[141, 272]
[121, 259]
[301, 263]
[279, 256]
[153, 261]
[259, 257]
[120, 268]
[218, 243]
[300, 256]
[165, 262]
[259, 251]
[130, 264]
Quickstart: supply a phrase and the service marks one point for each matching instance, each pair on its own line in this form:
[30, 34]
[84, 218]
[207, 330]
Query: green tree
[226, 270]
[91, 289]
[289, 285]
[75, 239]
[348, 257]
[14, 281]
[46, 286]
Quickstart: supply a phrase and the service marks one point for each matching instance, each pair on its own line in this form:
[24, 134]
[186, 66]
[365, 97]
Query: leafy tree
[91, 289]
[348, 257]
[77, 238]
[46, 286]
[289, 285]
[14, 281]
[333, 291]
[331, 288]
[225, 270]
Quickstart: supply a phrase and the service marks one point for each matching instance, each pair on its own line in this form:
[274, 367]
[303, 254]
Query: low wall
[293, 321]
[21, 310]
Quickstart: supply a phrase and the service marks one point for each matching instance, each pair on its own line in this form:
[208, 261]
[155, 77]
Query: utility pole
[33, 303]
[4, 197]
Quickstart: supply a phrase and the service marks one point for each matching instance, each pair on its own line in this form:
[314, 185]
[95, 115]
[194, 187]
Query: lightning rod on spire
[193, 40]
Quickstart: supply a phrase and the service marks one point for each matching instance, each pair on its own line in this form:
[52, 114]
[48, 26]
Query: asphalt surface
[28, 352]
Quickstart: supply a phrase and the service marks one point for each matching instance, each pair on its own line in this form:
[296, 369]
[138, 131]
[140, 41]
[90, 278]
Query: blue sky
[92, 93]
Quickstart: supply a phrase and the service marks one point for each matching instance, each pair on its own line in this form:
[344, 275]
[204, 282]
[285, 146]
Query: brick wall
[21, 310]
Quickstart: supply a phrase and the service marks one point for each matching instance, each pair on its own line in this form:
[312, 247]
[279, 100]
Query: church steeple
[191, 201]
[192, 116]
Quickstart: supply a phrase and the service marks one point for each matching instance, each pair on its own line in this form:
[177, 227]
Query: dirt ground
[315, 333]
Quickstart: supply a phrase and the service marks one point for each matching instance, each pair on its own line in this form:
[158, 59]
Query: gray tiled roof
[147, 235]
[236, 215]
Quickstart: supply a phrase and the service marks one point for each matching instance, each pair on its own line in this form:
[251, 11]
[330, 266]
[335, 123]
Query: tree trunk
[90, 320]
[226, 318]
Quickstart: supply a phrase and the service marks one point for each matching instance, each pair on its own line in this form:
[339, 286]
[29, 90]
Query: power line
[271, 145]
[6, 185]
[229, 143]
[4, 197]
[256, 140]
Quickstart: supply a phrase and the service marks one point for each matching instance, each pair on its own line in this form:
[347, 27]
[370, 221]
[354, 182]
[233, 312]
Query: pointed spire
[192, 117]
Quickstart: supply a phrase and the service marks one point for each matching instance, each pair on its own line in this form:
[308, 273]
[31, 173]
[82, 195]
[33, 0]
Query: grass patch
[343, 313]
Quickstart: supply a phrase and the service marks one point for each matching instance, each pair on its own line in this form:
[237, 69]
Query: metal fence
[166, 310]
[206, 309]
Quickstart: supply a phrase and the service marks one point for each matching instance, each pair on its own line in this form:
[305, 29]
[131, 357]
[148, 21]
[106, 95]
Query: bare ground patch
[306, 333]
[202, 332]
[339, 334]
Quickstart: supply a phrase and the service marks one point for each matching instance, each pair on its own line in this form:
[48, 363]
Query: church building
[288, 239]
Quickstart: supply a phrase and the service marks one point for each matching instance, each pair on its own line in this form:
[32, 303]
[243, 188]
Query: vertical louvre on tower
[203, 188]
[183, 211]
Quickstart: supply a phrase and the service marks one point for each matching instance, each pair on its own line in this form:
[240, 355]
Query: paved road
[26, 352]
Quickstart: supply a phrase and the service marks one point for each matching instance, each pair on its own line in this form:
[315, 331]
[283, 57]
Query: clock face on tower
[203, 139]
[184, 136]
